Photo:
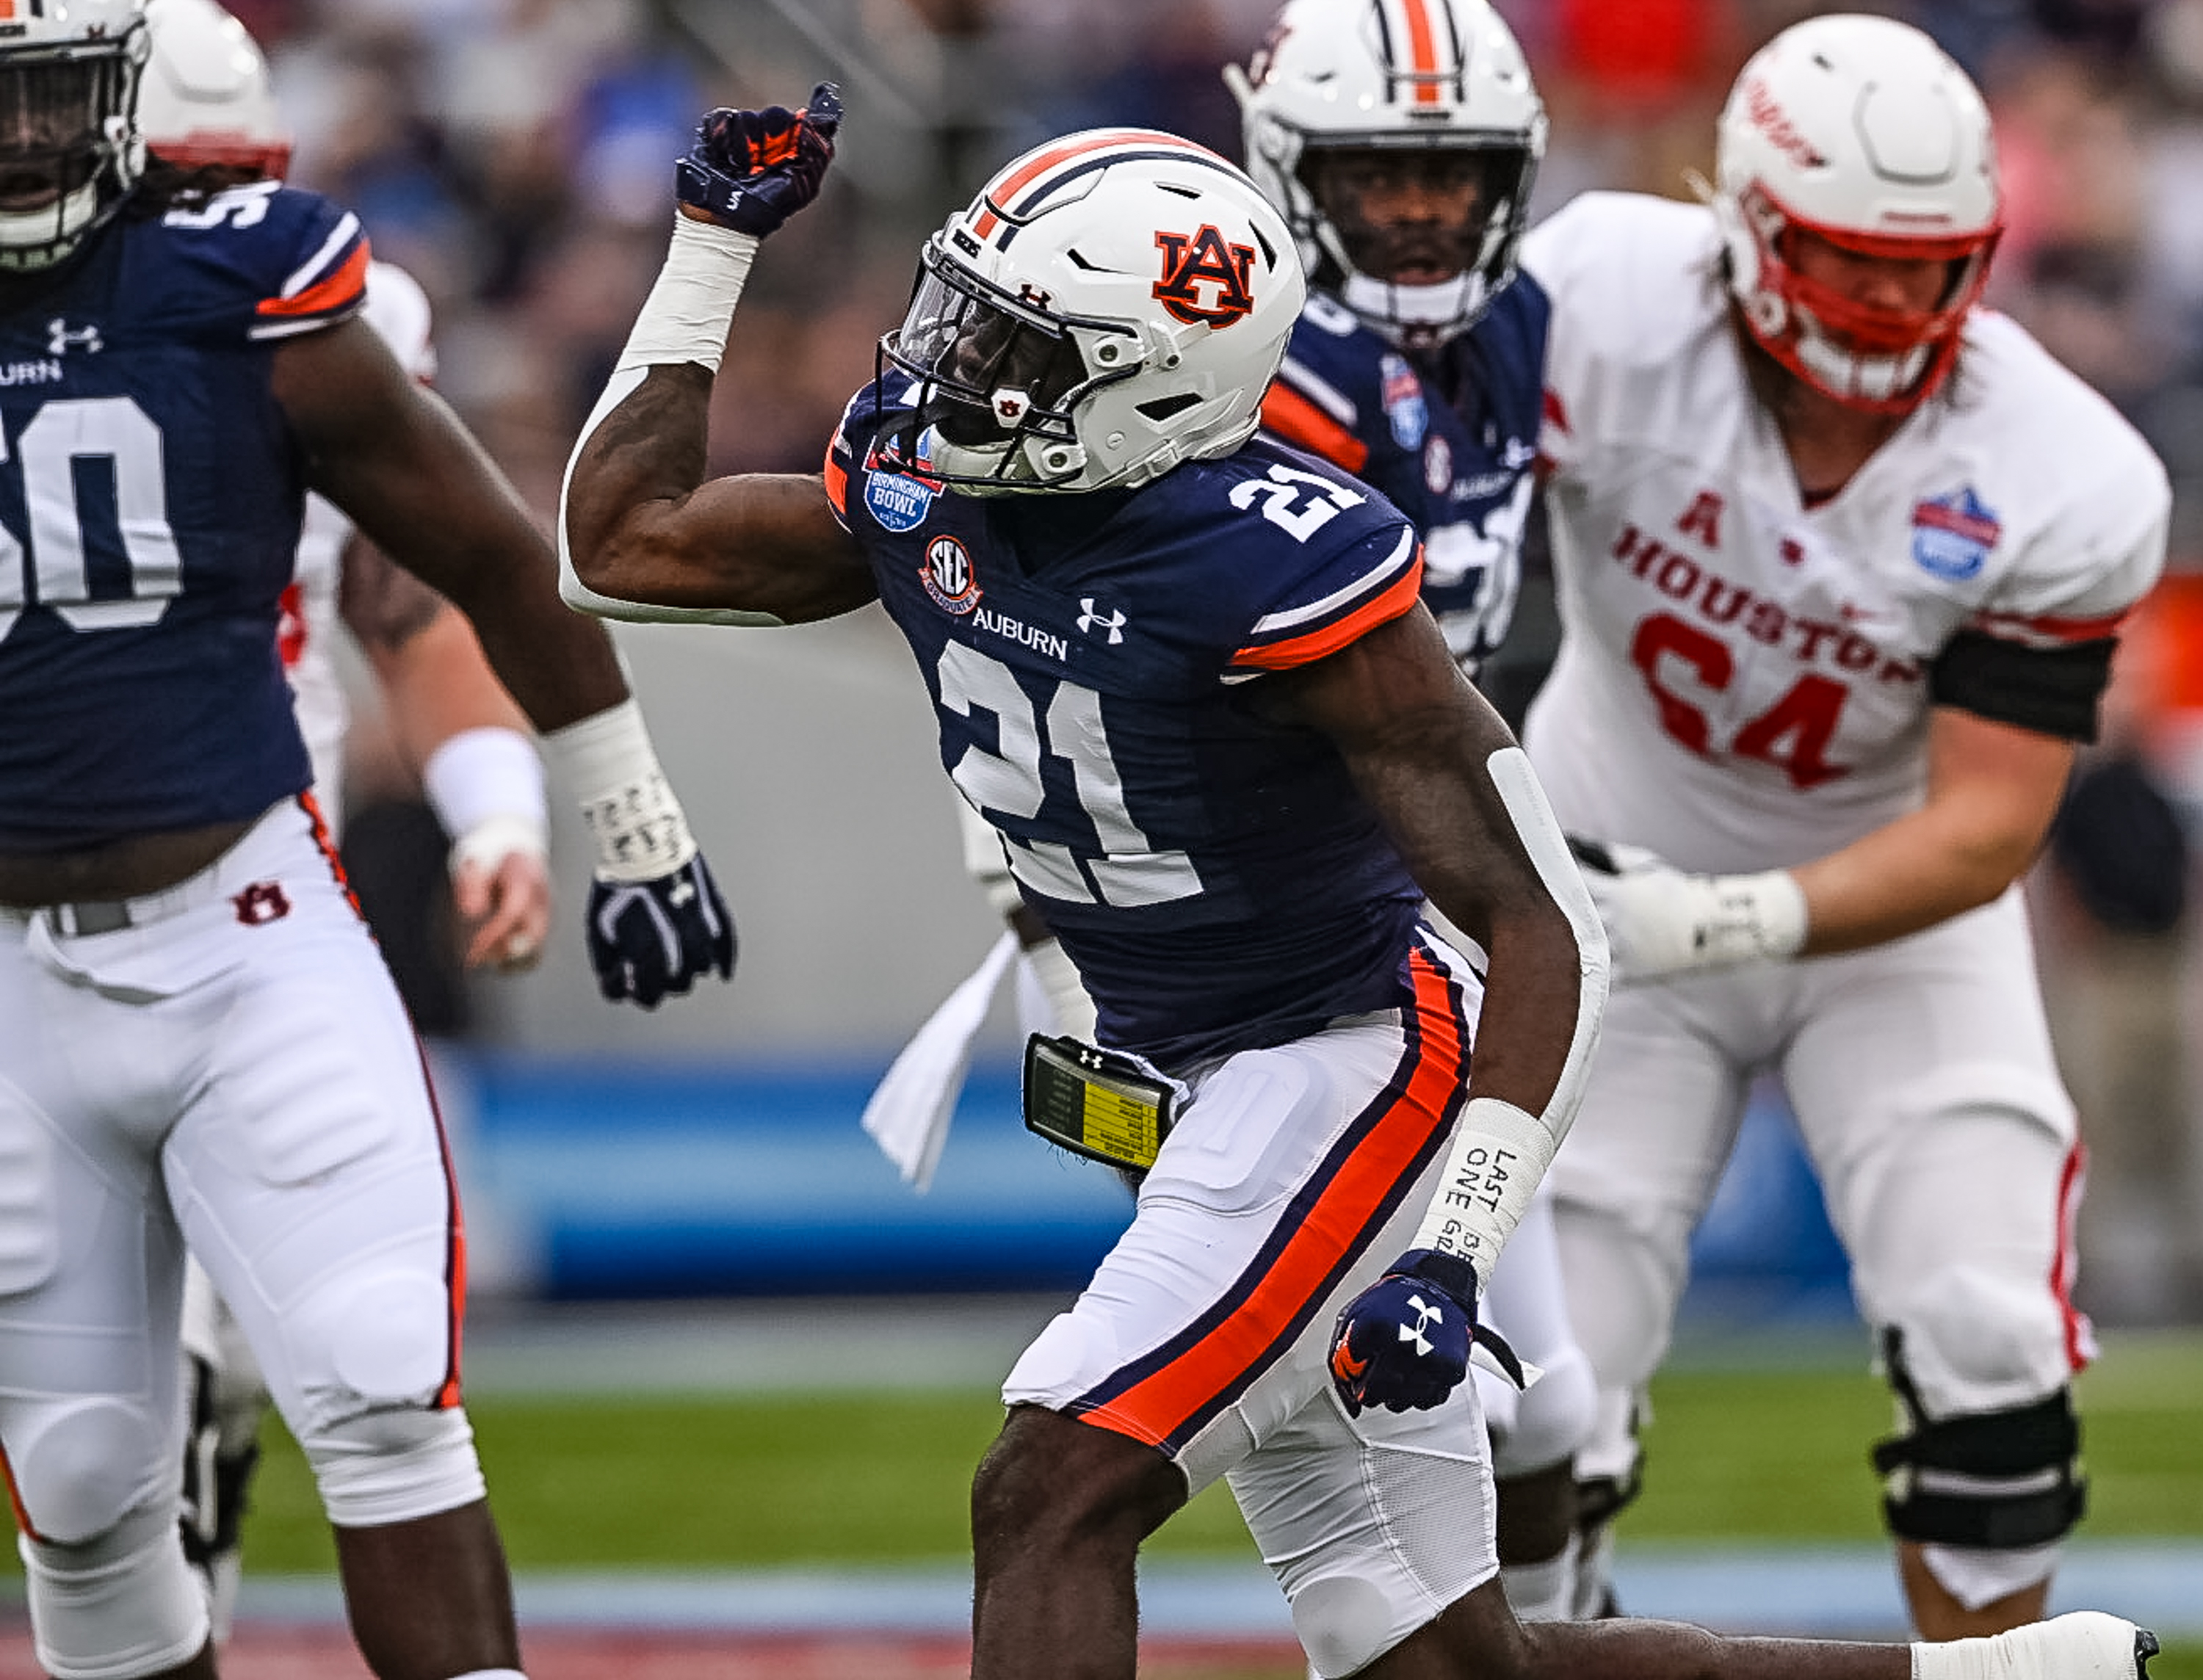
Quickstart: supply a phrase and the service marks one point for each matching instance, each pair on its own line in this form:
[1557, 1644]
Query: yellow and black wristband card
[1095, 1103]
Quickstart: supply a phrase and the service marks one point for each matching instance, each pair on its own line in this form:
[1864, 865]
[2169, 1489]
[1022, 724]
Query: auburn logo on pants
[263, 901]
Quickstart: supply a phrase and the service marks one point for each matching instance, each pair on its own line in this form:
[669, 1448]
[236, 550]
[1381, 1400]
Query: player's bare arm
[459, 729]
[642, 525]
[392, 456]
[1455, 793]
[1992, 789]
[1419, 739]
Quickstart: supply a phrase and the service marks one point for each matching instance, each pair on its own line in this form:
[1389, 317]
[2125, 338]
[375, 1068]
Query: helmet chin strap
[1402, 312]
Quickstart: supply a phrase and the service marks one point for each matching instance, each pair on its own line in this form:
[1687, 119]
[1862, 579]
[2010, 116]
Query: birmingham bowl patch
[1952, 536]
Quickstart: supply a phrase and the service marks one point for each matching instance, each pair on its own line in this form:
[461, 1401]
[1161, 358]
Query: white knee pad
[81, 1465]
[117, 1607]
[390, 1466]
[1551, 1420]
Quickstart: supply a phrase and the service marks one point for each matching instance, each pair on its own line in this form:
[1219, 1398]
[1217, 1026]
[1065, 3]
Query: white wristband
[479, 773]
[607, 760]
[1499, 1153]
[690, 309]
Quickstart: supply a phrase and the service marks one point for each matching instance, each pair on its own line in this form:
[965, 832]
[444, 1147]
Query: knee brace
[116, 1606]
[381, 1467]
[1999, 1481]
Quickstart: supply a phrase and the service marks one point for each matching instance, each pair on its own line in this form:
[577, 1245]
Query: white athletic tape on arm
[685, 319]
[607, 762]
[486, 786]
[1500, 1151]
[689, 312]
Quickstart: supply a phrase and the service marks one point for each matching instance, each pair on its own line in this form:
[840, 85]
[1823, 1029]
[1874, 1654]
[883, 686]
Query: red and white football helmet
[206, 98]
[1444, 76]
[69, 85]
[1111, 304]
[1863, 131]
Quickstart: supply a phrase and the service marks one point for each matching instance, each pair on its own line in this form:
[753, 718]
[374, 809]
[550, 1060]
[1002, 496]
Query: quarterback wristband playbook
[640, 832]
[1499, 1151]
[1097, 1102]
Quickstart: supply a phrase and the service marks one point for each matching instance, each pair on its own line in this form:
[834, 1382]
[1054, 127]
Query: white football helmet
[1341, 77]
[206, 98]
[1863, 131]
[69, 151]
[1111, 304]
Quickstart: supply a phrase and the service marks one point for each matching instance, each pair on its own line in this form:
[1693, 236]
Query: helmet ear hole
[1163, 408]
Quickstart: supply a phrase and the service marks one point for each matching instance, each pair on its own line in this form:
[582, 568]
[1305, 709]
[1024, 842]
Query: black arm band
[2051, 690]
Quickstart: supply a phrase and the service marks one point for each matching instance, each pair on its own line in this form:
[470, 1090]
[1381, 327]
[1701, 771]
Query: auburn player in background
[1400, 139]
[1841, 562]
[1185, 672]
[201, 1048]
[205, 103]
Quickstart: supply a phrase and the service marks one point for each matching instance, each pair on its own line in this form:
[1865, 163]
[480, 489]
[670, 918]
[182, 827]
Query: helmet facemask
[69, 152]
[1417, 238]
[999, 378]
[1883, 360]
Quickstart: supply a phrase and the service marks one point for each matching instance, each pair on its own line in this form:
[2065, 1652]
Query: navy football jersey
[151, 493]
[1450, 437]
[1215, 876]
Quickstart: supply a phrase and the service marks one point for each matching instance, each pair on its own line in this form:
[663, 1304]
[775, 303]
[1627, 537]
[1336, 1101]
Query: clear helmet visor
[996, 372]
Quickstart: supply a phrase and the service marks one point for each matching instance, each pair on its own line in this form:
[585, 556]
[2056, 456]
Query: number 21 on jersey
[1128, 870]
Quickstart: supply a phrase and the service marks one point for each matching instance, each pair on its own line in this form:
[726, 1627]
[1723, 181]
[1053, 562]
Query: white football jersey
[1744, 680]
[396, 308]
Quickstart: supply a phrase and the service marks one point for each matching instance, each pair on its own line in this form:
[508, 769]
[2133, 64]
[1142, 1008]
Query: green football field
[1744, 1452]
[1741, 1452]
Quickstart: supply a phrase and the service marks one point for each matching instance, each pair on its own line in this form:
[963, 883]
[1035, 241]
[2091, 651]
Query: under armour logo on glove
[649, 938]
[752, 170]
[1403, 1342]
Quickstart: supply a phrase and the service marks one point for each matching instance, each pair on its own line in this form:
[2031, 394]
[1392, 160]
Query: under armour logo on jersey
[1425, 1316]
[1205, 260]
[1090, 620]
[61, 337]
[261, 902]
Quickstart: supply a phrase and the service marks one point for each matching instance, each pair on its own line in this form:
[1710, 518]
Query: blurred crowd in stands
[515, 156]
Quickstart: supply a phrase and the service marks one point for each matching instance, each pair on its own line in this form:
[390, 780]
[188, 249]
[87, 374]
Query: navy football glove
[1403, 1343]
[752, 170]
[649, 938]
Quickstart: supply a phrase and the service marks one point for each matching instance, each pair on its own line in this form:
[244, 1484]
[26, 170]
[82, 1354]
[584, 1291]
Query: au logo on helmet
[1204, 259]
